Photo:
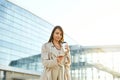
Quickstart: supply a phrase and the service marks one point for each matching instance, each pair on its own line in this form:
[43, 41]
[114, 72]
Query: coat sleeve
[68, 60]
[46, 60]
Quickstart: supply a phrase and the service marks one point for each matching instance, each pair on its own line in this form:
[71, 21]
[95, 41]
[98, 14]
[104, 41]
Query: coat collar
[52, 45]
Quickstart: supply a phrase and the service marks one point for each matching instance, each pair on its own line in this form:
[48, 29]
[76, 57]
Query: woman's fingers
[59, 59]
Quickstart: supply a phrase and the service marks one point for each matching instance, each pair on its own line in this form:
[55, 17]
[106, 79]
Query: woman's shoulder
[47, 44]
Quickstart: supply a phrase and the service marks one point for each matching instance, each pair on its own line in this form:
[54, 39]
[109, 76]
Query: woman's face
[57, 35]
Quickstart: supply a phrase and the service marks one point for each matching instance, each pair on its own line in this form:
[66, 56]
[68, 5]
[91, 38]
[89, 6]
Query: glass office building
[21, 33]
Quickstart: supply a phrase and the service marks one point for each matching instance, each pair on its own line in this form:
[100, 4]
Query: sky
[89, 22]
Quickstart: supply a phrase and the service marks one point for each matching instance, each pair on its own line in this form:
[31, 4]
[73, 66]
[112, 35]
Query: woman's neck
[55, 42]
[57, 45]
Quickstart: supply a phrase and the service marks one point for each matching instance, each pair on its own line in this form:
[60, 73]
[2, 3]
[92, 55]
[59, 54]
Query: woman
[56, 61]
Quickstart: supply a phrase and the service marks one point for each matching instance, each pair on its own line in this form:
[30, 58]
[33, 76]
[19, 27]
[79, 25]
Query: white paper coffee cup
[64, 45]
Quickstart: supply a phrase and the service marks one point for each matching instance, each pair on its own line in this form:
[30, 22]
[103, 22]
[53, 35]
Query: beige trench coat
[48, 55]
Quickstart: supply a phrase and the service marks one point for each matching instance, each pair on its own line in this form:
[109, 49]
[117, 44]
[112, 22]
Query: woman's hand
[67, 49]
[59, 59]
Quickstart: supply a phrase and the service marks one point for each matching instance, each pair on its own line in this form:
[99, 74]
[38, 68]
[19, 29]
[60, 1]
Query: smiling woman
[57, 66]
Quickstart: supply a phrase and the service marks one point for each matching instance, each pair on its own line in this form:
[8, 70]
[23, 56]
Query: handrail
[104, 68]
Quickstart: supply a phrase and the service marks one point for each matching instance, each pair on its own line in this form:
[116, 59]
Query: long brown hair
[51, 37]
